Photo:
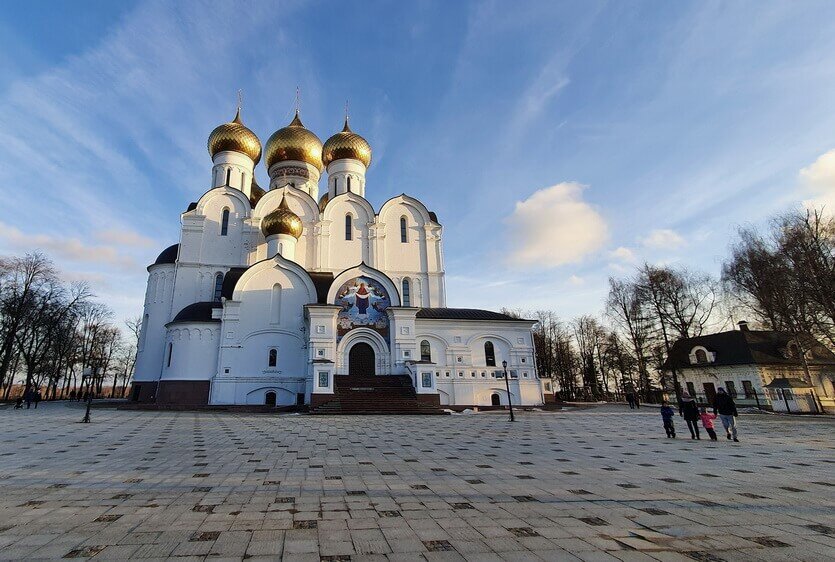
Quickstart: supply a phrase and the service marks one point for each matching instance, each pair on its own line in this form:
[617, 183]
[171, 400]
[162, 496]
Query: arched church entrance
[495, 400]
[361, 360]
[269, 399]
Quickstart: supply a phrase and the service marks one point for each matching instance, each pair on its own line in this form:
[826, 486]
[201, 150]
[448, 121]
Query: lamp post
[88, 372]
[507, 384]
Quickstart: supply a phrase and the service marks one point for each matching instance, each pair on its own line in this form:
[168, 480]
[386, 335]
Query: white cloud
[69, 249]
[623, 254]
[124, 238]
[554, 226]
[663, 239]
[818, 182]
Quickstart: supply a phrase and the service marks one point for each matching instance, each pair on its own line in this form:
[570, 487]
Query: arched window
[425, 351]
[170, 353]
[143, 334]
[275, 304]
[218, 287]
[701, 356]
[495, 400]
[404, 233]
[224, 222]
[228, 175]
[349, 183]
[349, 229]
[489, 354]
[269, 398]
[407, 293]
[273, 357]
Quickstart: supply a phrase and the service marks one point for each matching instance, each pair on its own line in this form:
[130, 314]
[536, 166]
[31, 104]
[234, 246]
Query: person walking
[630, 399]
[690, 412]
[725, 407]
[37, 398]
[27, 396]
[667, 415]
[707, 422]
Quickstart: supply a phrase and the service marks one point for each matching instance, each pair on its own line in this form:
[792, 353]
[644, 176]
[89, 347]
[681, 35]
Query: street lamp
[507, 384]
[88, 372]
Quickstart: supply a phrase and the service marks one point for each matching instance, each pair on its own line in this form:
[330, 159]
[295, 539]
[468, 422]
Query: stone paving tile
[596, 484]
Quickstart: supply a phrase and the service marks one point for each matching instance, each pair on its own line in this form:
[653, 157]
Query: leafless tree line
[782, 278]
[51, 332]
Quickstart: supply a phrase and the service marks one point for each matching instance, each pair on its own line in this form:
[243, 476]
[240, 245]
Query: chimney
[743, 325]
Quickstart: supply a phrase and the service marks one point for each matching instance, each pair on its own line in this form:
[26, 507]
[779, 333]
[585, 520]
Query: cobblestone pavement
[592, 485]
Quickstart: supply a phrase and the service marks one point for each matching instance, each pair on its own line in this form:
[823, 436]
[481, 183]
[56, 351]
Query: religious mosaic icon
[364, 302]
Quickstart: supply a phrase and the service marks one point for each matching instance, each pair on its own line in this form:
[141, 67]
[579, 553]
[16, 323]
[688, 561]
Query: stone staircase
[391, 394]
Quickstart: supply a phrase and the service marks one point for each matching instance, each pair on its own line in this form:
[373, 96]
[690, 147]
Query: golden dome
[346, 144]
[323, 201]
[294, 142]
[282, 221]
[235, 136]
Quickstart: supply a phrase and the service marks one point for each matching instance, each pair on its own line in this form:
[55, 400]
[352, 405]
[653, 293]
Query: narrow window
[170, 353]
[349, 183]
[349, 231]
[489, 354]
[701, 356]
[228, 175]
[224, 222]
[281, 248]
[404, 234]
[273, 357]
[407, 296]
[275, 304]
[425, 351]
[218, 287]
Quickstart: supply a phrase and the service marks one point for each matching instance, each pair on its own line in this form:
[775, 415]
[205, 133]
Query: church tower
[294, 156]
[235, 150]
[347, 156]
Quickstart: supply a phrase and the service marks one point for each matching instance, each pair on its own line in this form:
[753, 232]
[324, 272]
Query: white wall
[193, 351]
[156, 313]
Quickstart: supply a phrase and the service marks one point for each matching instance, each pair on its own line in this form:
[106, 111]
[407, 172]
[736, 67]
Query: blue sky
[559, 143]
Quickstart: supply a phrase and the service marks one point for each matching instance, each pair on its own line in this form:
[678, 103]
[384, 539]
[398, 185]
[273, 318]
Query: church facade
[282, 297]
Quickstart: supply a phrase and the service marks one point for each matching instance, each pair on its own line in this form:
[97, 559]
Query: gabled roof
[198, 312]
[464, 314]
[322, 280]
[749, 347]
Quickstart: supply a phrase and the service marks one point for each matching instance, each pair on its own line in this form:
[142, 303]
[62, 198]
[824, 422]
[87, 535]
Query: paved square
[596, 484]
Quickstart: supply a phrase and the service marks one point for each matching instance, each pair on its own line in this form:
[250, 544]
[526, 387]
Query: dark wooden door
[361, 360]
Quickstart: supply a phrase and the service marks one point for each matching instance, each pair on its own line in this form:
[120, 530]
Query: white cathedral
[282, 298]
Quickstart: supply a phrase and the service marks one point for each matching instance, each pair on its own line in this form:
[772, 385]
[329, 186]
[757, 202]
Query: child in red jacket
[707, 423]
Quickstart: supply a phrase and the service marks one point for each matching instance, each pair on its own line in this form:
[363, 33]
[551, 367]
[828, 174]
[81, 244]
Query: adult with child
[689, 410]
[725, 407]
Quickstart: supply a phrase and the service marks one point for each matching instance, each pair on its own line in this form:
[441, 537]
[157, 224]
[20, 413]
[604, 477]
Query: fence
[788, 400]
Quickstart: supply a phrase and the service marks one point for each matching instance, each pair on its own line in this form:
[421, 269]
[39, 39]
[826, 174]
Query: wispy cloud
[67, 249]
[663, 239]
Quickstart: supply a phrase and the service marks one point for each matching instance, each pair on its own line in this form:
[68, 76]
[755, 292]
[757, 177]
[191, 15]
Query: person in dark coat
[725, 407]
[689, 410]
[27, 396]
[667, 415]
[37, 398]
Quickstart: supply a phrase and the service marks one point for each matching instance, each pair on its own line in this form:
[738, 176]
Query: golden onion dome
[346, 144]
[282, 221]
[323, 201]
[235, 136]
[294, 142]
